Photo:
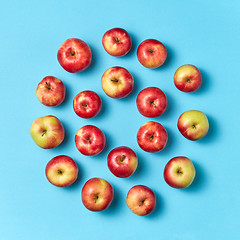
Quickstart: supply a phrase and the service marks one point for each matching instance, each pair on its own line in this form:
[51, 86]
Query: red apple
[152, 137]
[151, 102]
[122, 162]
[90, 140]
[193, 124]
[117, 82]
[141, 200]
[87, 104]
[74, 55]
[179, 172]
[97, 194]
[61, 171]
[51, 91]
[117, 42]
[187, 78]
[47, 132]
[151, 53]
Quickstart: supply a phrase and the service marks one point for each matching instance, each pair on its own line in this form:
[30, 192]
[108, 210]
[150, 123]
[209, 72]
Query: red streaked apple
[117, 42]
[74, 55]
[187, 78]
[97, 194]
[61, 171]
[117, 82]
[122, 161]
[193, 124]
[151, 53]
[87, 104]
[151, 102]
[179, 172]
[141, 200]
[47, 132]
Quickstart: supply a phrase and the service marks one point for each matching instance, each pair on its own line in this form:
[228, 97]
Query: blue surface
[204, 34]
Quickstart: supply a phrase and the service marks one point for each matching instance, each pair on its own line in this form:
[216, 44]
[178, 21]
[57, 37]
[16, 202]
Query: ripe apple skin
[151, 102]
[151, 53]
[187, 78]
[117, 42]
[179, 172]
[87, 104]
[152, 137]
[97, 194]
[117, 82]
[122, 161]
[51, 91]
[61, 171]
[90, 140]
[193, 124]
[47, 132]
[141, 200]
[74, 55]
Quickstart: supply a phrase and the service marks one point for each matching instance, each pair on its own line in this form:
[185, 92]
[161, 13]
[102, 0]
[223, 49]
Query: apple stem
[44, 131]
[114, 80]
[48, 86]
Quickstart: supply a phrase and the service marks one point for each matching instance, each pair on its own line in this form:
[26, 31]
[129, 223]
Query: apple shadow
[66, 136]
[135, 43]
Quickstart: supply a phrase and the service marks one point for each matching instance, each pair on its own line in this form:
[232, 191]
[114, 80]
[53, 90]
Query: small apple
[117, 82]
[90, 140]
[151, 102]
[187, 78]
[193, 125]
[61, 171]
[74, 55]
[122, 162]
[87, 104]
[47, 132]
[117, 42]
[179, 172]
[151, 53]
[97, 194]
[152, 137]
[141, 200]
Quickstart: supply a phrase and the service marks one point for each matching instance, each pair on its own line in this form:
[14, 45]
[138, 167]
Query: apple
[51, 91]
[97, 194]
[61, 171]
[151, 53]
[141, 200]
[187, 78]
[74, 55]
[117, 42]
[151, 102]
[193, 124]
[90, 140]
[122, 161]
[47, 132]
[117, 82]
[87, 104]
[179, 172]
[152, 137]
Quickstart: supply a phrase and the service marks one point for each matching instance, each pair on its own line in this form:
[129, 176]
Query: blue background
[203, 34]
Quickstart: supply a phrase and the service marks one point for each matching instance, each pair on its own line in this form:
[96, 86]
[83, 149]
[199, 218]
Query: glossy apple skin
[97, 194]
[187, 78]
[87, 104]
[51, 91]
[152, 137]
[179, 172]
[151, 102]
[61, 171]
[141, 200]
[151, 53]
[117, 42]
[117, 82]
[47, 132]
[74, 55]
[193, 125]
[90, 140]
[122, 161]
